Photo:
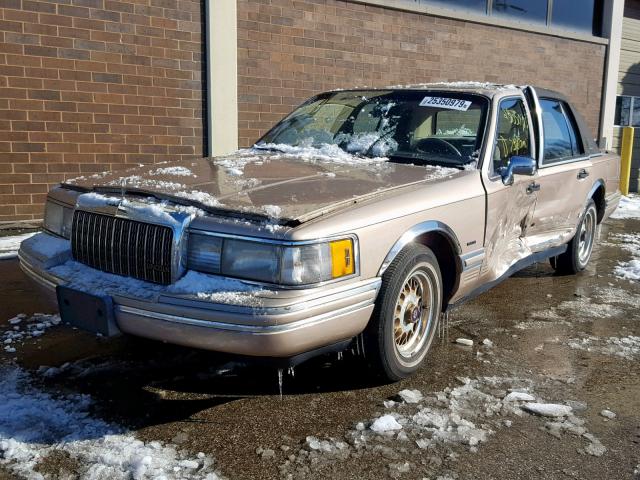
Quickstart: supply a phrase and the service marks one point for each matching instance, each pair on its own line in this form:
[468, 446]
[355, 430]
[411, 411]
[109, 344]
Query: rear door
[510, 208]
[563, 177]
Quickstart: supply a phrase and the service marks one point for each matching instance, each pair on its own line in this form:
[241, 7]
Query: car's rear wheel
[407, 311]
[580, 248]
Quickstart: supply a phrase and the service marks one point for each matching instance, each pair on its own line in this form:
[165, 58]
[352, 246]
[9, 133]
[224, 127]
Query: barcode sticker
[448, 103]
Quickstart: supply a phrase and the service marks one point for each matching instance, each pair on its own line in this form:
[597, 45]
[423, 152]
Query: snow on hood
[280, 182]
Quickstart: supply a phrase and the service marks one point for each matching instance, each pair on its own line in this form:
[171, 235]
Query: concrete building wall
[291, 49]
[92, 85]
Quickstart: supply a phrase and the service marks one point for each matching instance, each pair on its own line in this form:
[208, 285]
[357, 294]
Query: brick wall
[91, 85]
[291, 49]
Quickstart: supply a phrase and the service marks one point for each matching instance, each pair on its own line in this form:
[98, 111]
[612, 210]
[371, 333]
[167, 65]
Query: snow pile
[216, 289]
[629, 270]
[9, 246]
[193, 284]
[86, 279]
[385, 423]
[153, 211]
[203, 198]
[47, 246]
[35, 424]
[174, 171]
[548, 409]
[22, 328]
[629, 207]
[625, 347]
[462, 417]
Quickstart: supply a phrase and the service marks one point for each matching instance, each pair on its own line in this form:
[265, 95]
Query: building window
[627, 111]
[587, 18]
[583, 16]
[475, 5]
[522, 10]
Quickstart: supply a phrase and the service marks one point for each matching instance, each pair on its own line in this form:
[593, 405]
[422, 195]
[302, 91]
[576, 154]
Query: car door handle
[533, 187]
[582, 174]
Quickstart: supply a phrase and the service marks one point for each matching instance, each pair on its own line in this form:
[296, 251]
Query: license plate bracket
[92, 313]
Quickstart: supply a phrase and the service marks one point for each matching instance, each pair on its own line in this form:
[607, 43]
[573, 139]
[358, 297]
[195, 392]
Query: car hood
[286, 188]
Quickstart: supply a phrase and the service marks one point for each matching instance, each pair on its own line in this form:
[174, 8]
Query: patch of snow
[629, 207]
[519, 397]
[47, 245]
[155, 212]
[136, 181]
[35, 424]
[385, 423]
[624, 347]
[327, 152]
[608, 414]
[487, 343]
[410, 396]
[548, 409]
[81, 277]
[629, 270]
[203, 198]
[273, 211]
[10, 245]
[455, 85]
[175, 171]
[216, 289]
[465, 415]
[196, 285]
[23, 327]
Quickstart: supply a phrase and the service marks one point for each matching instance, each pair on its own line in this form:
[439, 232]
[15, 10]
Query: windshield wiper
[269, 148]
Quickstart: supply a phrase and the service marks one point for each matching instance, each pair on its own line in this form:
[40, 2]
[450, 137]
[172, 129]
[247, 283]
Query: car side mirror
[518, 166]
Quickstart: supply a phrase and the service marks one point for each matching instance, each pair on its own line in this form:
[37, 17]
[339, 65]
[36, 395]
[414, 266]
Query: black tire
[391, 347]
[580, 248]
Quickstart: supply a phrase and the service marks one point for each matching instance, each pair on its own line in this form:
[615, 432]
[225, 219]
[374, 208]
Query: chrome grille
[122, 246]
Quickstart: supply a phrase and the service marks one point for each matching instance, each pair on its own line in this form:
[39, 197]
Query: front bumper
[277, 323]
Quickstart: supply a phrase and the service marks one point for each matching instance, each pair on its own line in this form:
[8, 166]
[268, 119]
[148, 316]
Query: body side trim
[519, 265]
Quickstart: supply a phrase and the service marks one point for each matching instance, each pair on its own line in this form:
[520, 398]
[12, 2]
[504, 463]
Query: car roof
[488, 89]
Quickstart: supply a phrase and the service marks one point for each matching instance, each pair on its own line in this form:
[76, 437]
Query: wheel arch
[597, 193]
[442, 240]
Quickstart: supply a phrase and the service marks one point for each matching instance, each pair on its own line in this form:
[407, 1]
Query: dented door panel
[560, 203]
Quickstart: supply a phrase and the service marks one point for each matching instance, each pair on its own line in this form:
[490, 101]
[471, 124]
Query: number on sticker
[448, 103]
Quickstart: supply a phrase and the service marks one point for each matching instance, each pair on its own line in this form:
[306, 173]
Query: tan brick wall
[291, 49]
[92, 85]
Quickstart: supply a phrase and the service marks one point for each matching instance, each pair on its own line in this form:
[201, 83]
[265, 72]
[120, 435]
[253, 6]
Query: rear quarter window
[561, 136]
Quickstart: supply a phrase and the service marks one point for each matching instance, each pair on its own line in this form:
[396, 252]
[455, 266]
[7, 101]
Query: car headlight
[283, 264]
[58, 219]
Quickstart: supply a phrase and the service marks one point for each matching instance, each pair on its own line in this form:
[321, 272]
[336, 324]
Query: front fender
[414, 232]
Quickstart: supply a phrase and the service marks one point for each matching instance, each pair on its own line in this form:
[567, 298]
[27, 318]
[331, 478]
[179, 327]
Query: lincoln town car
[356, 222]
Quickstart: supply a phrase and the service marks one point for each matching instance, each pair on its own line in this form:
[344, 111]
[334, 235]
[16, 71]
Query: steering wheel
[437, 146]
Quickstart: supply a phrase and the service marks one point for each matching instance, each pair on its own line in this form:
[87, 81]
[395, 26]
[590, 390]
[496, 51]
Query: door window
[512, 137]
[560, 133]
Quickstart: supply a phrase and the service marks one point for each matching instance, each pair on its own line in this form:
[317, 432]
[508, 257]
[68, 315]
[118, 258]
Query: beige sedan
[355, 222]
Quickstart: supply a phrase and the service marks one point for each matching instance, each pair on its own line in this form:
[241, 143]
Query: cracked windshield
[434, 128]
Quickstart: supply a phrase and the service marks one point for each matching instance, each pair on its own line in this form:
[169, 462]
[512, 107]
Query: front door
[563, 177]
[510, 208]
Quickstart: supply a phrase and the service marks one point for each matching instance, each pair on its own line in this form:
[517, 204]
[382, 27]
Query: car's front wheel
[407, 311]
[579, 249]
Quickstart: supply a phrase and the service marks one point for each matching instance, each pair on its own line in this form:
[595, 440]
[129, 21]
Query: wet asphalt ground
[206, 402]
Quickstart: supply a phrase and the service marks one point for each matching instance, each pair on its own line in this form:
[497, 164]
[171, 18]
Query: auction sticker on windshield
[448, 103]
